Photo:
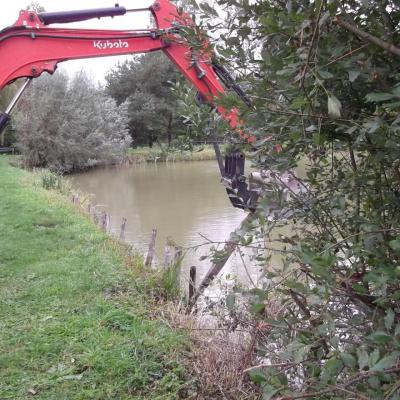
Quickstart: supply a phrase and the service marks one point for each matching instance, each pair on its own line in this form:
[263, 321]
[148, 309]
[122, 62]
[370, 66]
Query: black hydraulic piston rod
[62, 17]
[5, 116]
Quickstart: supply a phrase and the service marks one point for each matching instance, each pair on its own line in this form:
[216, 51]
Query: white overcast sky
[95, 67]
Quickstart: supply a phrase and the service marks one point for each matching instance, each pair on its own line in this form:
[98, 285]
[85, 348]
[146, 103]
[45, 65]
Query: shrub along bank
[75, 321]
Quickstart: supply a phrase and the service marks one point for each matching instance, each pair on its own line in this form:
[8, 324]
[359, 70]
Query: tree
[144, 83]
[70, 125]
[324, 80]
[35, 6]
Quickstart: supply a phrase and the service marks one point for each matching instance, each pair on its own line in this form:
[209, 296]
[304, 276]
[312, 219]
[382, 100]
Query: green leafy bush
[325, 84]
[70, 125]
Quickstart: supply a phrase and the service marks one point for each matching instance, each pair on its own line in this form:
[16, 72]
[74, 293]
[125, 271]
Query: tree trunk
[169, 130]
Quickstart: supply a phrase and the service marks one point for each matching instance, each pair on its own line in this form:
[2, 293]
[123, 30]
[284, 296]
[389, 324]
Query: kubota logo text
[110, 44]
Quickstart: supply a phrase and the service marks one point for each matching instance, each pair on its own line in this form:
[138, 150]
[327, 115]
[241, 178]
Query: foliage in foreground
[70, 125]
[325, 88]
[75, 324]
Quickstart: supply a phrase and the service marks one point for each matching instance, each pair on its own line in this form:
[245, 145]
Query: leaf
[378, 97]
[325, 74]
[257, 308]
[193, 3]
[386, 362]
[334, 106]
[395, 245]
[380, 337]
[396, 90]
[301, 353]
[362, 358]
[257, 376]
[389, 319]
[206, 8]
[233, 41]
[298, 102]
[269, 392]
[348, 360]
[333, 366]
[317, 138]
[373, 357]
[285, 72]
[373, 125]
[359, 288]
[296, 285]
[353, 75]
[331, 369]
[320, 265]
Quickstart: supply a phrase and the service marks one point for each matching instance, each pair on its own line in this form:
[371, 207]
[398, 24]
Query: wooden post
[104, 221]
[109, 223]
[89, 209]
[167, 254]
[123, 226]
[177, 255]
[192, 282]
[216, 268]
[95, 216]
[152, 245]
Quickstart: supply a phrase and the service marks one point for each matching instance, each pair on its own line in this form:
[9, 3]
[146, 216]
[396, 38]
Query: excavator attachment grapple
[235, 183]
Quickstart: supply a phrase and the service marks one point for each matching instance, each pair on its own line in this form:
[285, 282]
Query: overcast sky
[96, 67]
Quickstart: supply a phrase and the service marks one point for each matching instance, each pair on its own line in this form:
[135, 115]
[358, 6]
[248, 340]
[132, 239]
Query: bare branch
[368, 37]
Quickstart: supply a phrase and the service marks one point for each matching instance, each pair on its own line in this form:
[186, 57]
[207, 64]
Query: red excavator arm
[29, 47]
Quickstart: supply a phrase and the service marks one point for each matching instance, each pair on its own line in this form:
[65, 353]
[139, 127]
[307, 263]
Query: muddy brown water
[185, 201]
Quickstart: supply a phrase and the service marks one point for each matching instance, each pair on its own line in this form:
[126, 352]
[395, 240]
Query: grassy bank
[74, 322]
[141, 155]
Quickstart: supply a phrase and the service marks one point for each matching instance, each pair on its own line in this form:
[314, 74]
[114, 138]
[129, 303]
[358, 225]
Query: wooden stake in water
[177, 255]
[104, 221]
[122, 233]
[192, 282]
[95, 216]
[152, 246]
[167, 253]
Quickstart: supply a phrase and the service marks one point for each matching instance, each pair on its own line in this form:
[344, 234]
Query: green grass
[73, 317]
[141, 155]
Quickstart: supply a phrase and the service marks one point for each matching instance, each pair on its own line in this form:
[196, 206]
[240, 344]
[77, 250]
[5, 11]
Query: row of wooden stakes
[173, 254]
